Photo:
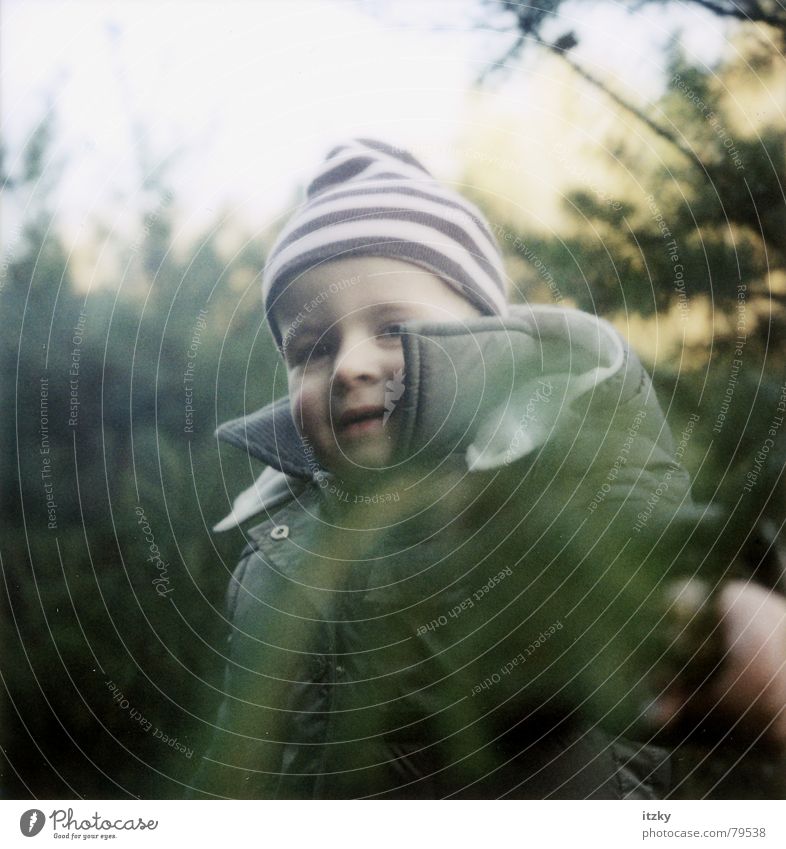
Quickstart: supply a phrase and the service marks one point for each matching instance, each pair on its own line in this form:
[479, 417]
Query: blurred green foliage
[82, 617]
[705, 234]
[81, 611]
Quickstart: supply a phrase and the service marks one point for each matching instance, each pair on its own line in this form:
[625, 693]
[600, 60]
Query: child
[457, 586]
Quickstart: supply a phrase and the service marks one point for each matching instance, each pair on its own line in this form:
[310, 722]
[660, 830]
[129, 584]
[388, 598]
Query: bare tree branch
[509, 54]
[734, 11]
[661, 131]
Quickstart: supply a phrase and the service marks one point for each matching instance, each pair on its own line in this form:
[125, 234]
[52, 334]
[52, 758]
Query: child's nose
[364, 360]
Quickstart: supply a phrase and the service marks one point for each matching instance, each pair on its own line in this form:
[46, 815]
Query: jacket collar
[568, 351]
[270, 435]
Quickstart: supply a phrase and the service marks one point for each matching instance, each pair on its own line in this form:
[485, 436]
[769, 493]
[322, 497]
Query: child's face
[343, 355]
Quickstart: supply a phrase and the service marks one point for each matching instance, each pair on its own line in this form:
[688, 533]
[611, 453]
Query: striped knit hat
[372, 199]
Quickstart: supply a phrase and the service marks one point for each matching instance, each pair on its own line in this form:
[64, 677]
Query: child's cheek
[303, 403]
[296, 406]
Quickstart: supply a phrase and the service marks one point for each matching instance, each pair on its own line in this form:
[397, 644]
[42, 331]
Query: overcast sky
[247, 96]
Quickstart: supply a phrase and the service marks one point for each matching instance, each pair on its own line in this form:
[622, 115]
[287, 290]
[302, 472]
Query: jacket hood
[494, 388]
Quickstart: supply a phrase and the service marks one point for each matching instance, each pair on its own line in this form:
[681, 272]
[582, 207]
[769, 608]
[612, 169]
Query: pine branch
[739, 14]
[661, 131]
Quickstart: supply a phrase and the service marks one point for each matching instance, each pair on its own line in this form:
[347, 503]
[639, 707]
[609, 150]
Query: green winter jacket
[486, 619]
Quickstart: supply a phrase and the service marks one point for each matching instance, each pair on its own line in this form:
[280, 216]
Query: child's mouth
[360, 421]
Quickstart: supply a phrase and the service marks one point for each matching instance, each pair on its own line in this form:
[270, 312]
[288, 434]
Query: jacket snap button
[280, 532]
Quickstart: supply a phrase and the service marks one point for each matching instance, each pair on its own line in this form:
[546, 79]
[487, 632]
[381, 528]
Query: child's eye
[321, 349]
[392, 330]
[317, 351]
[306, 353]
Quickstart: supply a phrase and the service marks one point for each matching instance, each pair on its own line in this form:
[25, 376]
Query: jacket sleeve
[220, 773]
[585, 512]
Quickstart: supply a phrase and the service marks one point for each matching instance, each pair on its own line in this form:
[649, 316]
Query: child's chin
[360, 464]
[362, 456]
